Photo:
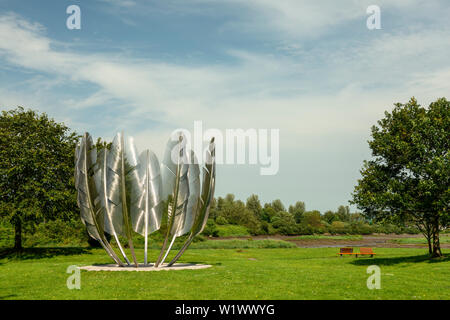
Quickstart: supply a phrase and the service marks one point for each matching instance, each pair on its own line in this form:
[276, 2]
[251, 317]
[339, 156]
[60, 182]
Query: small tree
[329, 216]
[312, 219]
[36, 169]
[254, 205]
[297, 210]
[276, 205]
[343, 213]
[408, 179]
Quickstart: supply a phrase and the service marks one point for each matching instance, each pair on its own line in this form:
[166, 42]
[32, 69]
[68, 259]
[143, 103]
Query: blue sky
[309, 68]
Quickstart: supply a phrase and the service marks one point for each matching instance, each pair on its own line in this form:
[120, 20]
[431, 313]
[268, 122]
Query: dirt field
[378, 240]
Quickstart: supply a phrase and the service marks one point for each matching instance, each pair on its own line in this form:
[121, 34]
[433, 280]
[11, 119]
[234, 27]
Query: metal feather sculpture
[112, 221]
[88, 197]
[121, 192]
[186, 218]
[146, 197]
[204, 202]
[175, 190]
[120, 165]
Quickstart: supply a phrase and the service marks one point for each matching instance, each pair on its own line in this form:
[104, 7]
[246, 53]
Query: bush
[210, 229]
[232, 231]
[304, 229]
[337, 227]
[57, 232]
[284, 223]
[221, 220]
[6, 234]
[312, 218]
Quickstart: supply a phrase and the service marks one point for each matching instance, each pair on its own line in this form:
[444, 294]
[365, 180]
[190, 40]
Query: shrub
[57, 232]
[284, 223]
[337, 227]
[210, 229]
[230, 230]
[312, 218]
[221, 220]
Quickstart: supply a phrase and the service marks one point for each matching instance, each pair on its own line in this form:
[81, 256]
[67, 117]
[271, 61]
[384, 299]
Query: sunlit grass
[291, 273]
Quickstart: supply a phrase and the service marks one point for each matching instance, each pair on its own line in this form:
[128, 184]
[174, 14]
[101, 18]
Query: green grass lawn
[282, 273]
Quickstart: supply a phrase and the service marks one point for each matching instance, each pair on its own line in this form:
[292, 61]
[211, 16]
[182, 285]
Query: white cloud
[247, 93]
[314, 96]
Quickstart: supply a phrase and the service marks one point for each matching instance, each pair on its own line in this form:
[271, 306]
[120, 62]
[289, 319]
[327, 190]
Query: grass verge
[291, 273]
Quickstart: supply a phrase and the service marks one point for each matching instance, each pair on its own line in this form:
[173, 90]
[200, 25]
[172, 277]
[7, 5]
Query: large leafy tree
[36, 169]
[408, 178]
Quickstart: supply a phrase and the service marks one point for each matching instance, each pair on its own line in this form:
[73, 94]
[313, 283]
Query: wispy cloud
[335, 88]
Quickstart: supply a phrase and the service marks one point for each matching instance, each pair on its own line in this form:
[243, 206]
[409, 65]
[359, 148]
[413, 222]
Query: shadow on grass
[397, 260]
[40, 253]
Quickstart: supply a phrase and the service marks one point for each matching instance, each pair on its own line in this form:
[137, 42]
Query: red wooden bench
[362, 252]
[348, 251]
[365, 251]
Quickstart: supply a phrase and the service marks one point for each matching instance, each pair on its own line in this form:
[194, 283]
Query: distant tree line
[273, 218]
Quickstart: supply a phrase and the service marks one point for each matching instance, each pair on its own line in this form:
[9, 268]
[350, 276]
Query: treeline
[228, 217]
[273, 218]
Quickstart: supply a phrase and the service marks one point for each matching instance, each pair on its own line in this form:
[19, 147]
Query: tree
[312, 219]
[343, 213]
[297, 210]
[254, 205]
[329, 216]
[284, 223]
[277, 205]
[36, 169]
[408, 177]
[268, 213]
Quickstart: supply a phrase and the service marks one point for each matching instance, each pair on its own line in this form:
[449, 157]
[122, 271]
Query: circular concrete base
[149, 267]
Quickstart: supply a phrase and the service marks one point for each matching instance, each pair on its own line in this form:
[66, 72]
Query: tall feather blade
[209, 181]
[91, 210]
[194, 193]
[175, 183]
[204, 205]
[174, 164]
[77, 156]
[118, 164]
[146, 204]
[113, 189]
[146, 196]
[179, 209]
[101, 179]
[84, 186]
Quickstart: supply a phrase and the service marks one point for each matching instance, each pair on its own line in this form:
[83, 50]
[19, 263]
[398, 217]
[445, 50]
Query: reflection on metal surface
[120, 191]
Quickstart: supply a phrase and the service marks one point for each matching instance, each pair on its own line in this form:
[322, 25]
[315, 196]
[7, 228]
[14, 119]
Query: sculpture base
[142, 267]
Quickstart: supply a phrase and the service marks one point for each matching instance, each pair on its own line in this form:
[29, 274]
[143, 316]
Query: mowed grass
[289, 273]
